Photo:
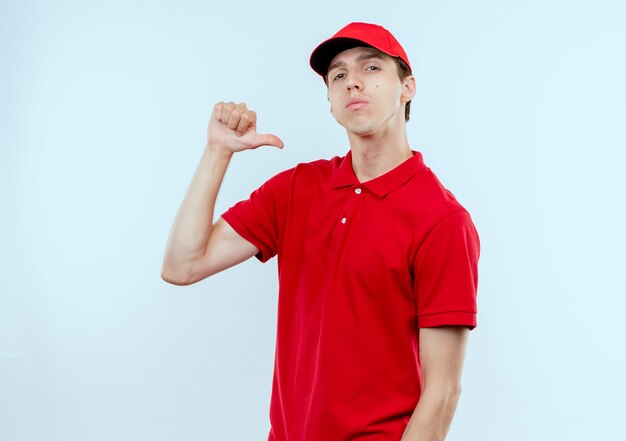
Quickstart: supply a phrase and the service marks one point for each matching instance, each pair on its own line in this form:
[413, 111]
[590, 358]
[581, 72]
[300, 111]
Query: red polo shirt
[361, 266]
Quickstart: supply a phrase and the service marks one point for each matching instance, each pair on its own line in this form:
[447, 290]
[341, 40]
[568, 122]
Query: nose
[353, 82]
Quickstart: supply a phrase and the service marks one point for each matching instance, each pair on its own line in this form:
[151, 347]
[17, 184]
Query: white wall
[520, 111]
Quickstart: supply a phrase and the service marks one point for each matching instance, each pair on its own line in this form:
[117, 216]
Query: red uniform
[361, 267]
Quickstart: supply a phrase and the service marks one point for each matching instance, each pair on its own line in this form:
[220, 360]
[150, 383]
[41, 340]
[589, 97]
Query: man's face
[365, 91]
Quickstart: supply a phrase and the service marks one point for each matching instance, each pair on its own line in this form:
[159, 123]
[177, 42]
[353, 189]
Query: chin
[362, 127]
[361, 131]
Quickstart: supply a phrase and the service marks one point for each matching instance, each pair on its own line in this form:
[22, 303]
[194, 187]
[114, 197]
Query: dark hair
[403, 72]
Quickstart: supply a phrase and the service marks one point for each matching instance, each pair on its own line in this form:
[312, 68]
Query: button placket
[350, 206]
[345, 215]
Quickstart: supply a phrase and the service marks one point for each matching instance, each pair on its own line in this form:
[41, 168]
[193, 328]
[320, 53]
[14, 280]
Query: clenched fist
[233, 128]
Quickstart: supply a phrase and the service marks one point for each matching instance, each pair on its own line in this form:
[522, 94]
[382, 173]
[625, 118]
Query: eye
[375, 67]
[338, 76]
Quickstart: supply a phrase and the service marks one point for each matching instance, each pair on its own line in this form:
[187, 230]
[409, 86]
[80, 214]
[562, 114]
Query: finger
[268, 139]
[234, 118]
[226, 110]
[235, 115]
[217, 110]
[244, 123]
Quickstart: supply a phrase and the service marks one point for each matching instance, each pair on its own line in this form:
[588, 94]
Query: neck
[375, 154]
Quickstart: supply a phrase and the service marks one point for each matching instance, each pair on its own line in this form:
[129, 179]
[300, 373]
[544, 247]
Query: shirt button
[357, 190]
[343, 221]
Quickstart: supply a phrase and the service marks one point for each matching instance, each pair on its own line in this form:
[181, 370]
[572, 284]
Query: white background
[520, 112]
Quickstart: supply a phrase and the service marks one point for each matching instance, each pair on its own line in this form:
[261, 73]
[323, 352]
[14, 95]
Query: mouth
[356, 104]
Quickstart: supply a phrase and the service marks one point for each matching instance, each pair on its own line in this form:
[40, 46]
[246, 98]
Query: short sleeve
[446, 273]
[259, 218]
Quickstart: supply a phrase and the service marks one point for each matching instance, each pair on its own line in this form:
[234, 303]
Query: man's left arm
[442, 354]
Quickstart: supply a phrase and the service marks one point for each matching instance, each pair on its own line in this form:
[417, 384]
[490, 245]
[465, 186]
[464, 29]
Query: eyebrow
[361, 57]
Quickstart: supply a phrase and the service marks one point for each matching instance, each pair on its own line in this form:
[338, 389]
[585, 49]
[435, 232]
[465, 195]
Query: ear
[408, 89]
[331, 104]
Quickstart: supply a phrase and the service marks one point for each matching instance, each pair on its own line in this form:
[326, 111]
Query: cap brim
[323, 54]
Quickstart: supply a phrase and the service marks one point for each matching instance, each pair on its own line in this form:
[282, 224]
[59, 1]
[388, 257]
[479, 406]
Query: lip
[356, 104]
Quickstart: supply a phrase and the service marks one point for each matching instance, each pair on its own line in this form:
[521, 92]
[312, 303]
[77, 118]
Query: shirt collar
[383, 184]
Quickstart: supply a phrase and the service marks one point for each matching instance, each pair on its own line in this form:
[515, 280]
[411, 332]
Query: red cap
[353, 35]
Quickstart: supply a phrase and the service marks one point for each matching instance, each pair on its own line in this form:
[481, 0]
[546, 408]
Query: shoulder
[319, 170]
[437, 200]
[435, 208]
[304, 173]
[320, 165]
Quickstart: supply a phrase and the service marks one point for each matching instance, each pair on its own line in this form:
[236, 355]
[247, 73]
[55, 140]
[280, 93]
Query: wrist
[219, 150]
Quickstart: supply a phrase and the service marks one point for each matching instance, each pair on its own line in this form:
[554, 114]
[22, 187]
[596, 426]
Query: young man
[377, 260]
